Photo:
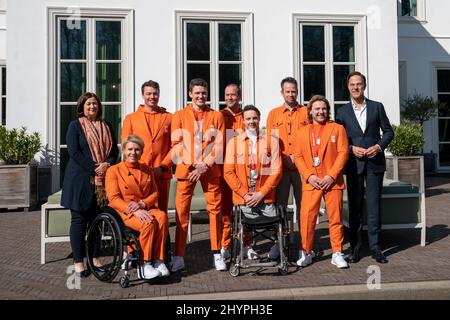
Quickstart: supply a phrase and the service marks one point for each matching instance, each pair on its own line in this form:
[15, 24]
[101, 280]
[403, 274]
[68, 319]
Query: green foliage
[408, 139]
[18, 147]
[420, 108]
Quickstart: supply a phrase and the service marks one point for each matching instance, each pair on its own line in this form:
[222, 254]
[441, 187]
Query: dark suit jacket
[376, 120]
[78, 189]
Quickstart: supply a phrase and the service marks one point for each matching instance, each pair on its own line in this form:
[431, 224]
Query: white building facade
[55, 51]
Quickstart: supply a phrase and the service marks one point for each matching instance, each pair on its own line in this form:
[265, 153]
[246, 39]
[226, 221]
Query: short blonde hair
[135, 139]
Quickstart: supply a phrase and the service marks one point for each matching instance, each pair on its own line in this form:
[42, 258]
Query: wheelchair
[108, 240]
[261, 226]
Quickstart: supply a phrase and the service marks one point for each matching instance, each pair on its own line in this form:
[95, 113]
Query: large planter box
[18, 186]
[408, 169]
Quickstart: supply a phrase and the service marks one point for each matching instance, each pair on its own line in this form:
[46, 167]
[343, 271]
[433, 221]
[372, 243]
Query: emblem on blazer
[333, 139]
[166, 129]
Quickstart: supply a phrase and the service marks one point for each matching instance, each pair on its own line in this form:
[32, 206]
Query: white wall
[421, 45]
[2, 30]
[155, 48]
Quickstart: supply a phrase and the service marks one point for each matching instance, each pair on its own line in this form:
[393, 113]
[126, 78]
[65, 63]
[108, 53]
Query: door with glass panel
[327, 56]
[443, 94]
[89, 59]
[212, 51]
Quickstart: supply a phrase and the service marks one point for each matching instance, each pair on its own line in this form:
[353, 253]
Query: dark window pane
[444, 130]
[444, 155]
[314, 81]
[222, 106]
[340, 82]
[229, 42]
[108, 35]
[109, 82]
[68, 113]
[4, 111]
[73, 39]
[444, 98]
[409, 8]
[443, 80]
[197, 71]
[112, 114]
[336, 108]
[197, 35]
[64, 159]
[343, 44]
[73, 81]
[3, 81]
[313, 43]
[228, 73]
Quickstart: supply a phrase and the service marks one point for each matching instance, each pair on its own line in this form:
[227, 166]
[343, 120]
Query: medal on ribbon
[315, 145]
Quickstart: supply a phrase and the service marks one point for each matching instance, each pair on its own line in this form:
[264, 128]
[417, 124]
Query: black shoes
[355, 256]
[82, 274]
[379, 256]
[99, 269]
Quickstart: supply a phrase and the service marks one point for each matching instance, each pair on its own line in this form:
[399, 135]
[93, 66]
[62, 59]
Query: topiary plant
[18, 147]
[408, 139]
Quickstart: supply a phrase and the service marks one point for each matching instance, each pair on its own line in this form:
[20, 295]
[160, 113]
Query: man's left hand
[256, 199]
[373, 151]
[194, 176]
[326, 182]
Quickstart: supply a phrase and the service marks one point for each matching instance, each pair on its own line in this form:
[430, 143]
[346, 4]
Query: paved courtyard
[23, 277]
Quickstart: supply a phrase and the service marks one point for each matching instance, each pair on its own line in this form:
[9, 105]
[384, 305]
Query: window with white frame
[89, 55]
[443, 95]
[328, 49]
[411, 9]
[3, 95]
[216, 49]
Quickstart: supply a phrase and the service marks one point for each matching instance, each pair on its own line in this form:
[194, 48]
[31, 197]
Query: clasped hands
[323, 184]
[101, 168]
[138, 210]
[199, 170]
[370, 152]
[252, 199]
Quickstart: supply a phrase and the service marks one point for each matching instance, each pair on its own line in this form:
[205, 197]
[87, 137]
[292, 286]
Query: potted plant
[418, 108]
[406, 164]
[18, 183]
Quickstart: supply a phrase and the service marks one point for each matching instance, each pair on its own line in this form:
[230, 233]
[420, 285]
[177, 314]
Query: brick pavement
[23, 277]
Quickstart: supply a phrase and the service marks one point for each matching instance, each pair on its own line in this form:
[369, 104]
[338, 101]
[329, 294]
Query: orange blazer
[124, 184]
[213, 131]
[237, 169]
[154, 129]
[333, 154]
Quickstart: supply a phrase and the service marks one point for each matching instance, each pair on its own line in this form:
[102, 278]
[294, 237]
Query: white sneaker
[274, 252]
[149, 272]
[250, 253]
[338, 260]
[177, 263]
[304, 259]
[161, 267]
[225, 253]
[219, 263]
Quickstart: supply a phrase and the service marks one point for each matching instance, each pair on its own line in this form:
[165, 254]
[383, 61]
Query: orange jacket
[237, 169]
[154, 129]
[234, 122]
[183, 143]
[125, 183]
[333, 154]
[288, 123]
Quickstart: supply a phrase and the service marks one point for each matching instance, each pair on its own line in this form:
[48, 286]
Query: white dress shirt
[361, 114]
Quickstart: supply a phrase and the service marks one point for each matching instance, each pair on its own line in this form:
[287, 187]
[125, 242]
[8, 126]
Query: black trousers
[370, 184]
[78, 228]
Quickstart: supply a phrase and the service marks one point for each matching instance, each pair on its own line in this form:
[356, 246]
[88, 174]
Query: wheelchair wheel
[283, 270]
[235, 270]
[125, 281]
[235, 244]
[104, 242]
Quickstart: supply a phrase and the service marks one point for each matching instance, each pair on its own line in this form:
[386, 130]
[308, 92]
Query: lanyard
[316, 143]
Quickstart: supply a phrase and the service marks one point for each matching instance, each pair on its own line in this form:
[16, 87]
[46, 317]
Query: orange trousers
[227, 209]
[163, 186]
[183, 198]
[152, 237]
[308, 216]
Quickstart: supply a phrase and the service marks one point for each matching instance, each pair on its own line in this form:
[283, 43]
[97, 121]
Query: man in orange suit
[283, 123]
[320, 155]
[234, 126]
[152, 123]
[197, 148]
[252, 169]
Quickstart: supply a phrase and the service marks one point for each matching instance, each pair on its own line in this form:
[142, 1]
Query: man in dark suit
[363, 119]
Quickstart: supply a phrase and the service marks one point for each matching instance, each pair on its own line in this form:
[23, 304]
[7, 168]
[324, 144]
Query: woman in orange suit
[132, 192]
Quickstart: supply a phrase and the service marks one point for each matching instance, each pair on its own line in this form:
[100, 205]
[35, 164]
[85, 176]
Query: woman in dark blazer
[92, 149]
